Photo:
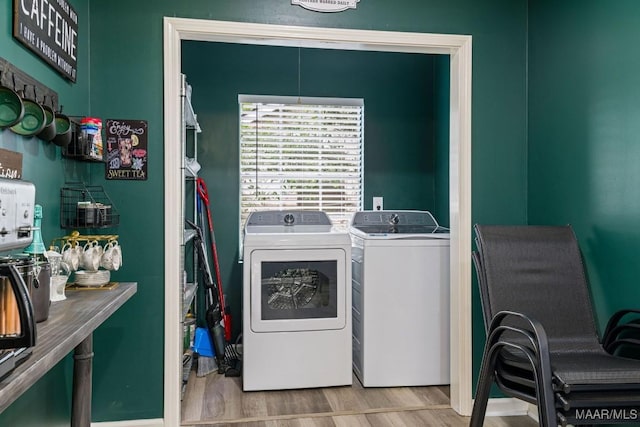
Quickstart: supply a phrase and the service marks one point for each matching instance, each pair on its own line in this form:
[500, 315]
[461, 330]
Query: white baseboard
[504, 407]
[131, 423]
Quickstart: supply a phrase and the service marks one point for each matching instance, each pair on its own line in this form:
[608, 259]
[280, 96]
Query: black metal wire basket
[86, 206]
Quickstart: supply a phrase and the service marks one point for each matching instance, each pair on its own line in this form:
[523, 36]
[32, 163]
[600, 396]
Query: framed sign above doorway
[327, 5]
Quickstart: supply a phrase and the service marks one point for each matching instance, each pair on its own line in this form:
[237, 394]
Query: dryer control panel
[289, 221]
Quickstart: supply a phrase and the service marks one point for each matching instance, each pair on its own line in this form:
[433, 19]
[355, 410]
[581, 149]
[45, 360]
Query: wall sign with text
[10, 164]
[327, 5]
[126, 149]
[50, 29]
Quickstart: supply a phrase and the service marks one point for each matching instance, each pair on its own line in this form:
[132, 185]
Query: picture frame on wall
[53, 36]
[126, 146]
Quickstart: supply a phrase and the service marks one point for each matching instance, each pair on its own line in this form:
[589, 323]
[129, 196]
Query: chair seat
[588, 369]
[618, 398]
[582, 370]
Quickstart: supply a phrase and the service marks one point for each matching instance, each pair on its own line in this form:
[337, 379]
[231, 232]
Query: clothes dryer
[296, 302]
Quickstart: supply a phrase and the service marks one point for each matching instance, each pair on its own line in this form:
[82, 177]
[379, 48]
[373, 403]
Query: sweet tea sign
[327, 5]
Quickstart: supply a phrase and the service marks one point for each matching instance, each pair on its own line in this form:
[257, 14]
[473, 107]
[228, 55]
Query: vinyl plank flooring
[351, 421]
[441, 418]
[436, 395]
[218, 398]
[194, 402]
[215, 400]
[224, 399]
[288, 402]
[344, 399]
[303, 422]
[426, 418]
[254, 403]
[380, 397]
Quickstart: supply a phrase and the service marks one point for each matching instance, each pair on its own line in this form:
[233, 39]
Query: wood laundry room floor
[215, 400]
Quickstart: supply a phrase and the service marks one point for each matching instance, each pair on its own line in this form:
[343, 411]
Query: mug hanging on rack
[71, 255]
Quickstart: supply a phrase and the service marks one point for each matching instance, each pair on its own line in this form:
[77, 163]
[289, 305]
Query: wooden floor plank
[427, 418]
[288, 402]
[436, 395]
[351, 421]
[194, 402]
[255, 404]
[344, 399]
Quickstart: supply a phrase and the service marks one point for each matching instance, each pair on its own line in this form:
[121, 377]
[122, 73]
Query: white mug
[79, 250]
[71, 256]
[99, 247]
[110, 259]
[91, 256]
[117, 255]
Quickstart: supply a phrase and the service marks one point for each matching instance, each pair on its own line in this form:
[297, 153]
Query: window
[301, 153]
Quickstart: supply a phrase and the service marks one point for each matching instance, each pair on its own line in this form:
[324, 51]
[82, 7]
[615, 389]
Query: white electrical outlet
[378, 204]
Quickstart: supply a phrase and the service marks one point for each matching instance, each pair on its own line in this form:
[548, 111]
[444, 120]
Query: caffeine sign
[327, 5]
[50, 29]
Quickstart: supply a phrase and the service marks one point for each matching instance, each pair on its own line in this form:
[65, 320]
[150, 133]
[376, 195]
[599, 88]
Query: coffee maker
[17, 318]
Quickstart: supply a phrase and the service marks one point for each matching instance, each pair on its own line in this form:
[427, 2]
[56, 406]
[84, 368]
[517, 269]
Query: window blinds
[301, 154]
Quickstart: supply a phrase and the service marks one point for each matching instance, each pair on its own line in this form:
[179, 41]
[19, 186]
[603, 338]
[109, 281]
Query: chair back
[537, 271]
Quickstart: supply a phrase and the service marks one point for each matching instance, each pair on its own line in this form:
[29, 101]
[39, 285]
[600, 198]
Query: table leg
[82, 372]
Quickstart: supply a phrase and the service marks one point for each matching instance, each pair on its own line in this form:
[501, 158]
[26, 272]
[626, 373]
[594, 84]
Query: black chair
[542, 344]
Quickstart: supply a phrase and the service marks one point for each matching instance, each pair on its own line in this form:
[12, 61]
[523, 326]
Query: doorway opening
[458, 47]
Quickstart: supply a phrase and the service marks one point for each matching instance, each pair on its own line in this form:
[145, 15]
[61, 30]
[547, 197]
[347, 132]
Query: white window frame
[267, 99]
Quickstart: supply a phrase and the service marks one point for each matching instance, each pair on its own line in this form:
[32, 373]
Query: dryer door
[298, 290]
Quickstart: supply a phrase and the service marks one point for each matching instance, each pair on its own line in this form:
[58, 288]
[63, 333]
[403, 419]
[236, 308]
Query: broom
[225, 316]
[206, 365]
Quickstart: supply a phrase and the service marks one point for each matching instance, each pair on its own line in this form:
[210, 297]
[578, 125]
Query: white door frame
[459, 49]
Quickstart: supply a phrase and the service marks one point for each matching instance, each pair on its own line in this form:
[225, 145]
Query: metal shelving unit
[189, 260]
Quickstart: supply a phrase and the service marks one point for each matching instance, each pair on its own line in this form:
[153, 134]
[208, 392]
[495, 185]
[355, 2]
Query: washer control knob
[394, 219]
[289, 219]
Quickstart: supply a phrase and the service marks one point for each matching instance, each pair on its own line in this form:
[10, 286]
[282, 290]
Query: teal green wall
[122, 78]
[50, 398]
[400, 124]
[584, 122]
[42, 161]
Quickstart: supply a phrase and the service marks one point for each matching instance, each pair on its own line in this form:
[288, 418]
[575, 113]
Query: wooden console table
[69, 327]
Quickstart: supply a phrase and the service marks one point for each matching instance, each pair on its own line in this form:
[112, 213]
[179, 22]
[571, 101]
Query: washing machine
[296, 329]
[400, 265]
